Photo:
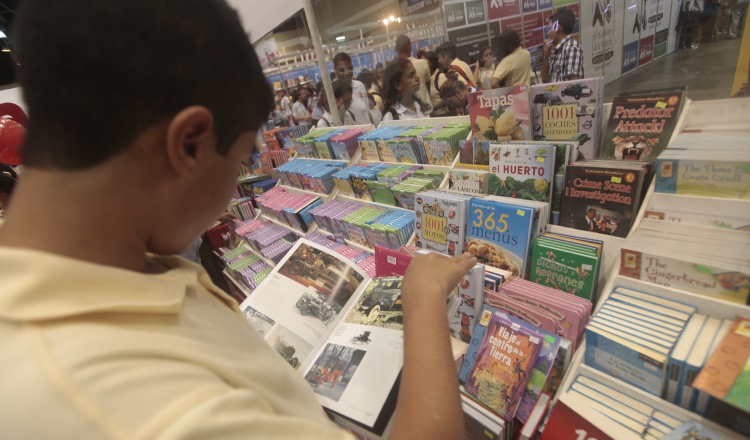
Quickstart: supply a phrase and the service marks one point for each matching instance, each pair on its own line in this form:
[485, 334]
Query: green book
[562, 268]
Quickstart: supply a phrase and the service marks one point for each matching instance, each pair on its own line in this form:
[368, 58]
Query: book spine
[673, 389]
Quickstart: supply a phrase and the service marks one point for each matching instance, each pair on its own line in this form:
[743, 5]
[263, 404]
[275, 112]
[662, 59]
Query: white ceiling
[260, 17]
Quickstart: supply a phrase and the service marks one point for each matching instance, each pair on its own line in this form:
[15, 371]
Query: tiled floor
[708, 71]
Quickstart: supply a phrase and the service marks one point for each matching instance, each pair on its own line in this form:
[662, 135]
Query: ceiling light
[2, 34]
[341, 38]
[398, 19]
[6, 50]
[385, 22]
[391, 18]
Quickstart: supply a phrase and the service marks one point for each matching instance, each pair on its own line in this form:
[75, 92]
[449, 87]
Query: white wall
[260, 17]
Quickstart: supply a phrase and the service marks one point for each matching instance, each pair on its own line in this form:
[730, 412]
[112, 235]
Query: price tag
[661, 104]
[540, 159]
[616, 179]
[521, 212]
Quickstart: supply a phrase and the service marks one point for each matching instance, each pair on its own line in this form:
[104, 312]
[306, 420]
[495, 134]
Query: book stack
[288, 208]
[271, 160]
[371, 144]
[703, 260]
[567, 263]
[242, 208]
[344, 144]
[442, 145]
[569, 111]
[469, 180]
[284, 137]
[604, 196]
[633, 334]
[494, 278]
[690, 167]
[641, 124]
[310, 175]
[405, 192]
[305, 145]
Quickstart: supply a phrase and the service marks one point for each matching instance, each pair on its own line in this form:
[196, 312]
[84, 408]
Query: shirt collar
[40, 286]
[563, 42]
[401, 109]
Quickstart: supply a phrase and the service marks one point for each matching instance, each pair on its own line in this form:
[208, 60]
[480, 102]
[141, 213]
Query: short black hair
[340, 88]
[448, 48]
[341, 57]
[366, 78]
[7, 184]
[432, 60]
[117, 68]
[507, 42]
[566, 19]
[8, 170]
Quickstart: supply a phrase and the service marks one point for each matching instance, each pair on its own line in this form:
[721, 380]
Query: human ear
[189, 135]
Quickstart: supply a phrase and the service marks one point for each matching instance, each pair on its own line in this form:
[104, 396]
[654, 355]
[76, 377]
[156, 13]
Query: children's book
[469, 180]
[640, 127]
[522, 171]
[503, 364]
[565, 267]
[569, 110]
[500, 114]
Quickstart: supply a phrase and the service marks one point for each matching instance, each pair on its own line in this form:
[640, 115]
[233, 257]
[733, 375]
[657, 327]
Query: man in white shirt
[102, 335]
[403, 50]
[344, 70]
[286, 104]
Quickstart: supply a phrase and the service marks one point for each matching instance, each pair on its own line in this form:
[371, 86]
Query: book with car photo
[340, 329]
[569, 111]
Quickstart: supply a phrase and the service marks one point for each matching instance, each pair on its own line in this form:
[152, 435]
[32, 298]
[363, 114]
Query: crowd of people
[702, 21]
[432, 84]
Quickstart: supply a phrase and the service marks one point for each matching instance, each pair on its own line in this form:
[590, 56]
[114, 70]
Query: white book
[620, 397]
[645, 324]
[631, 424]
[612, 403]
[674, 325]
[676, 365]
[683, 307]
[695, 361]
[633, 329]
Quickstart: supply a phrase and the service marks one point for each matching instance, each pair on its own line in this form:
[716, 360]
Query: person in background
[485, 68]
[739, 14]
[300, 112]
[689, 16]
[368, 79]
[343, 92]
[100, 327]
[375, 114]
[378, 83]
[8, 179]
[286, 104]
[437, 78]
[401, 91]
[455, 94]
[514, 67]
[344, 70]
[326, 119]
[403, 52]
[563, 56]
[315, 111]
[447, 57]
[420, 54]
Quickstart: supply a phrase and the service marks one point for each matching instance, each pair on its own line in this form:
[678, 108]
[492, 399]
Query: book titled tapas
[640, 128]
[500, 114]
[503, 364]
[522, 171]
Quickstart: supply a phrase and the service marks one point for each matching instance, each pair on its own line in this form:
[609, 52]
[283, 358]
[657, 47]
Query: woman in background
[485, 69]
[437, 78]
[401, 86]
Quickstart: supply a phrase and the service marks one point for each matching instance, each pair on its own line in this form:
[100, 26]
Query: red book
[390, 263]
[566, 424]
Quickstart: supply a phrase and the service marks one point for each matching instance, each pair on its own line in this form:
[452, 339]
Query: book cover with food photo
[500, 114]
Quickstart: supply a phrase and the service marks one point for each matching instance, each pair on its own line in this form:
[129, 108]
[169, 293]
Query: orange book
[725, 364]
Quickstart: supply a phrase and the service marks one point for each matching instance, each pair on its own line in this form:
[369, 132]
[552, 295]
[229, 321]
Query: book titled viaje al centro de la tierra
[640, 127]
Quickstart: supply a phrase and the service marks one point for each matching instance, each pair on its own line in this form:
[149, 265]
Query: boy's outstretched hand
[434, 273]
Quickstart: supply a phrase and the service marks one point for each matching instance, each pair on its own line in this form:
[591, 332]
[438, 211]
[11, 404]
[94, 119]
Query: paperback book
[503, 364]
[522, 171]
[500, 114]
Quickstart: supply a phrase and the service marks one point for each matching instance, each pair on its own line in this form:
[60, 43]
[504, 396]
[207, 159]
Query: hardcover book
[503, 364]
[469, 180]
[640, 127]
[564, 269]
[500, 114]
[569, 110]
[441, 222]
[522, 171]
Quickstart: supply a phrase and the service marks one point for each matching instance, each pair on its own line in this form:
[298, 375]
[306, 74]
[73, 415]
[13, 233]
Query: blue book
[694, 363]
[499, 234]
[676, 364]
[616, 354]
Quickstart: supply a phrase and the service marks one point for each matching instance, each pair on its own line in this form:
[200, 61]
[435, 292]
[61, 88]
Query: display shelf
[426, 122]
[345, 198]
[717, 115]
[262, 216]
[297, 191]
[243, 288]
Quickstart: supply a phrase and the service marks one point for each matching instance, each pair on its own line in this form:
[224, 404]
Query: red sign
[503, 8]
[646, 50]
[566, 424]
[533, 28]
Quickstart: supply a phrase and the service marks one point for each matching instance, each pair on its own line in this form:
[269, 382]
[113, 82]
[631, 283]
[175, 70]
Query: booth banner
[674, 22]
[658, 22]
[601, 38]
[631, 36]
[466, 25]
[645, 50]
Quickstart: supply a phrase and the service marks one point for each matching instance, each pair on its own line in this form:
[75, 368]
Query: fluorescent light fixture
[385, 22]
[6, 50]
[2, 35]
[340, 38]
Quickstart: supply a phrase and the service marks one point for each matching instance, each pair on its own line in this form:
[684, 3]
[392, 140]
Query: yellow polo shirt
[91, 351]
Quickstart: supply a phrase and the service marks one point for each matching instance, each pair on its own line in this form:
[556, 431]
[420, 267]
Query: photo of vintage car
[577, 91]
[332, 371]
[588, 109]
[548, 99]
[383, 302]
[315, 303]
